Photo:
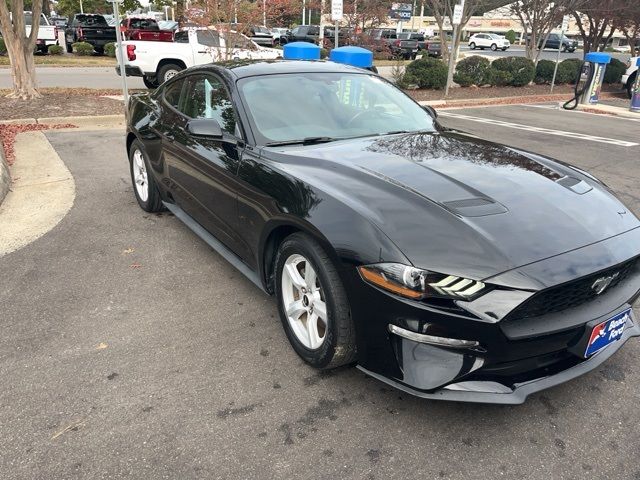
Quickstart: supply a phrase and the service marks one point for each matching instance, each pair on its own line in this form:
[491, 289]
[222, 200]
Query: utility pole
[264, 12]
[81, 10]
[336, 16]
[413, 14]
[121, 53]
[321, 32]
[457, 20]
[565, 26]
[304, 12]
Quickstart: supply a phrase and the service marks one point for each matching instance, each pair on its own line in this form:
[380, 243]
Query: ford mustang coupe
[448, 266]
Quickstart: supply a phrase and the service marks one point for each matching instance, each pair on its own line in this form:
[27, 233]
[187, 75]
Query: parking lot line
[547, 131]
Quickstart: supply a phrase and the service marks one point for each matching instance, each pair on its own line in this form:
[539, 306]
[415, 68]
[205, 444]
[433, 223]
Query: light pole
[304, 11]
[264, 12]
[81, 10]
[123, 74]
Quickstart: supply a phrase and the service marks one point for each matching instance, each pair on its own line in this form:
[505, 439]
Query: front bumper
[513, 357]
[131, 71]
[422, 359]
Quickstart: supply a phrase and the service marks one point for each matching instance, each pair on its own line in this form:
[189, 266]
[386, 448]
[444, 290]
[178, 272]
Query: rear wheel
[630, 83]
[472, 46]
[149, 82]
[564, 48]
[167, 72]
[494, 47]
[504, 49]
[313, 304]
[144, 185]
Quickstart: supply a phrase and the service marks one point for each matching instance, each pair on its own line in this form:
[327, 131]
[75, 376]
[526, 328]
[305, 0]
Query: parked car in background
[168, 25]
[302, 33]
[554, 42]
[629, 77]
[488, 40]
[260, 35]
[418, 37]
[59, 22]
[47, 34]
[157, 62]
[278, 32]
[90, 28]
[141, 28]
[398, 47]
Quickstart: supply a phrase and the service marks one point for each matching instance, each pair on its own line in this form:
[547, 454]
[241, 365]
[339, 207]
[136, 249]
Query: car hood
[455, 204]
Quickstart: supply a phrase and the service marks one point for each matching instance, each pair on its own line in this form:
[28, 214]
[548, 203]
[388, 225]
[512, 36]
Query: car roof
[250, 68]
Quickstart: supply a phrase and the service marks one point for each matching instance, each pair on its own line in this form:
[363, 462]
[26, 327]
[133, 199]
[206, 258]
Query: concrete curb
[609, 110]
[89, 123]
[5, 177]
[43, 192]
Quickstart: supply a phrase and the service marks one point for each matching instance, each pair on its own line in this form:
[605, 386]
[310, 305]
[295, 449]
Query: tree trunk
[23, 72]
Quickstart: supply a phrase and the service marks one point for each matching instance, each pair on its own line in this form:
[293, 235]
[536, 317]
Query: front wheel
[630, 83]
[167, 72]
[504, 49]
[144, 185]
[313, 304]
[564, 49]
[494, 47]
[472, 46]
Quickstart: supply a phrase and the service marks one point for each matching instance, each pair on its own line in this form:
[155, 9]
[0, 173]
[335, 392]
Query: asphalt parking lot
[130, 349]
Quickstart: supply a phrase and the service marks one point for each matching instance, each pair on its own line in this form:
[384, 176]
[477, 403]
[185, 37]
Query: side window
[207, 98]
[314, 31]
[181, 37]
[209, 38]
[295, 31]
[172, 95]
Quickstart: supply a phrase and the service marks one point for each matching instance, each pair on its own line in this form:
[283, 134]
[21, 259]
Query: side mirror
[204, 127]
[430, 110]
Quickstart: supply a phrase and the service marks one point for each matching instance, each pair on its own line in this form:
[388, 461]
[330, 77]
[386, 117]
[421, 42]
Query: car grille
[572, 294]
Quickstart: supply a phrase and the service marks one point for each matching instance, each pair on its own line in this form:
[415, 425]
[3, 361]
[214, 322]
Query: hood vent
[475, 207]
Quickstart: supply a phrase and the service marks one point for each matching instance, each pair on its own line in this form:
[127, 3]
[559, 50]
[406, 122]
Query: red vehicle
[139, 28]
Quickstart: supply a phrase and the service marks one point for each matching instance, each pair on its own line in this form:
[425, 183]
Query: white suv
[488, 40]
[630, 75]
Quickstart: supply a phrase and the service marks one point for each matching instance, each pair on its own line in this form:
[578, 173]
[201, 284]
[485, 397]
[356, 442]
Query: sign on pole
[457, 14]
[336, 10]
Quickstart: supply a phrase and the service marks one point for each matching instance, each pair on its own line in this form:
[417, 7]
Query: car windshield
[91, 21]
[328, 105]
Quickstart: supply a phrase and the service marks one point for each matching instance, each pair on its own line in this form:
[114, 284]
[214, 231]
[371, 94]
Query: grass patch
[391, 63]
[67, 61]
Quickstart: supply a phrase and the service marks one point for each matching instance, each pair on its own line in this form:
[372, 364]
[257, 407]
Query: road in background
[130, 350]
[106, 77]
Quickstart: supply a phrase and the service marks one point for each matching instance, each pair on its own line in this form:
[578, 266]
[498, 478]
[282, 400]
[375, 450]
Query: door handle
[202, 51]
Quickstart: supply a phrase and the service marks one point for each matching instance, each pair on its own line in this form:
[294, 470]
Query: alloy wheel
[140, 175]
[304, 302]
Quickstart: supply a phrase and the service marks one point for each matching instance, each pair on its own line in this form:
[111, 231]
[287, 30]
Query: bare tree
[443, 10]
[538, 19]
[20, 47]
[630, 24]
[597, 21]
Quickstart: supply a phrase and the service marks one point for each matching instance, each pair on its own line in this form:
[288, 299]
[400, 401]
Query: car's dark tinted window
[172, 94]
[206, 97]
[181, 37]
[90, 21]
[142, 24]
[209, 38]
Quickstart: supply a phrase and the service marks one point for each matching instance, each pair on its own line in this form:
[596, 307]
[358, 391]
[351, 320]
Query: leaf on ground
[128, 250]
[101, 346]
[71, 427]
[135, 265]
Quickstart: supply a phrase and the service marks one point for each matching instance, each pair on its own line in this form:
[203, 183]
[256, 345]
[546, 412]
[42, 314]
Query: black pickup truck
[90, 28]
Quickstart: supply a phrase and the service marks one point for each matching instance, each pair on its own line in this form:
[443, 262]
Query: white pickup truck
[47, 34]
[157, 62]
[630, 75]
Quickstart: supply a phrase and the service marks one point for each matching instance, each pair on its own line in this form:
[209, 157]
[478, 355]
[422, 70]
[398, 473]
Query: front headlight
[418, 284]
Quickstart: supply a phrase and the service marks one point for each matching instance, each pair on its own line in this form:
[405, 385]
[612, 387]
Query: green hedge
[474, 70]
[55, 50]
[544, 71]
[519, 71]
[82, 48]
[614, 71]
[426, 73]
[569, 71]
[110, 49]
[511, 36]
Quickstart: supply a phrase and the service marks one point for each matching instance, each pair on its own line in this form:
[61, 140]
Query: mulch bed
[8, 136]
[62, 103]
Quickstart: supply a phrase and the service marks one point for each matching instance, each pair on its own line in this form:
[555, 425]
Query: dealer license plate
[607, 332]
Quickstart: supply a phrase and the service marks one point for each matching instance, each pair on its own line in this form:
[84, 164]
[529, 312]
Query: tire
[494, 47]
[99, 50]
[69, 47]
[337, 345]
[151, 84]
[504, 49]
[472, 46]
[564, 49]
[167, 71]
[151, 202]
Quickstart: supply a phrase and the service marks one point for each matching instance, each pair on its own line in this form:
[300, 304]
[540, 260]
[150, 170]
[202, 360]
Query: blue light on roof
[301, 51]
[355, 56]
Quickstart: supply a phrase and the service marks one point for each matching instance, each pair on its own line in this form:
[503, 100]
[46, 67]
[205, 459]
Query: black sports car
[451, 267]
